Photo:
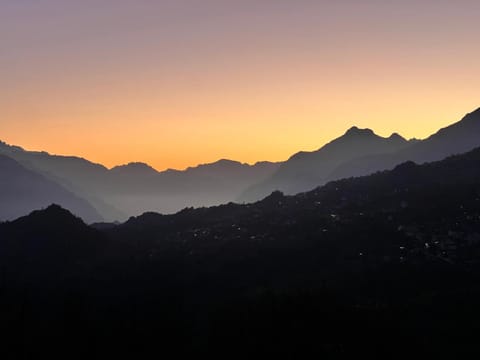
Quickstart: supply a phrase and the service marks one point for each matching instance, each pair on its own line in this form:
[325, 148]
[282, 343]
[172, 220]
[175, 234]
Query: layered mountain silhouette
[22, 190]
[385, 261]
[361, 152]
[384, 192]
[73, 173]
[306, 170]
[136, 187]
[458, 138]
[138, 190]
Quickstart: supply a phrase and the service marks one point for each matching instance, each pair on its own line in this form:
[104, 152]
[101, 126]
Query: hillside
[22, 190]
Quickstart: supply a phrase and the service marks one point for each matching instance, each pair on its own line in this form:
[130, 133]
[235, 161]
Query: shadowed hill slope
[22, 190]
[48, 237]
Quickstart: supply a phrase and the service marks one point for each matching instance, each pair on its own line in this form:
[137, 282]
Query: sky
[182, 82]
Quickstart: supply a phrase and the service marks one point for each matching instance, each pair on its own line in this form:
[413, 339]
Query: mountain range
[135, 188]
[361, 152]
[381, 264]
[306, 170]
[458, 138]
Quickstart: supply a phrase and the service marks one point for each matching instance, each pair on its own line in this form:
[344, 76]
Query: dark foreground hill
[381, 266]
[49, 246]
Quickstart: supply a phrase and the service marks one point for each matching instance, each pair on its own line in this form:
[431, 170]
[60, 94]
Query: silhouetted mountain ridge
[361, 152]
[306, 170]
[48, 220]
[134, 168]
[456, 170]
[22, 190]
[137, 187]
[397, 137]
[355, 131]
[458, 138]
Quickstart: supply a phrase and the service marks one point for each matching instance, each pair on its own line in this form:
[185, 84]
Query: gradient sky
[176, 83]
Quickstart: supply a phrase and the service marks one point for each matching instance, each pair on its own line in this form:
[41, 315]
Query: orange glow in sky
[178, 83]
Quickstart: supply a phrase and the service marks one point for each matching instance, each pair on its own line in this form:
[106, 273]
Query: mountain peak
[396, 136]
[356, 131]
[6, 146]
[135, 168]
[55, 209]
[219, 164]
[52, 217]
[226, 162]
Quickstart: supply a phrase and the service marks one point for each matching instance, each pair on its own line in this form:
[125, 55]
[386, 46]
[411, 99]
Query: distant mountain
[22, 190]
[136, 187]
[458, 138]
[76, 174]
[306, 170]
[134, 169]
[375, 192]
[360, 152]
[172, 190]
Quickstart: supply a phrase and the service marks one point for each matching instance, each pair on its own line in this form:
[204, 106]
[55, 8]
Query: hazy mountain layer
[22, 190]
[138, 190]
[135, 188]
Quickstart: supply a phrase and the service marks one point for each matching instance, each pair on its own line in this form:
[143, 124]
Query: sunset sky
[176, 83]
